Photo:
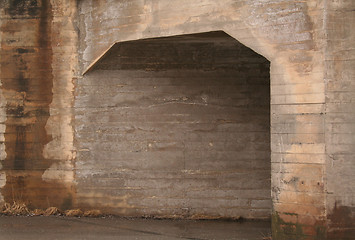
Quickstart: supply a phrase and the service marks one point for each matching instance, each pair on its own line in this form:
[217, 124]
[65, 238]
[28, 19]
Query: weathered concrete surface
[292, 36]
[176, 127]
[29, 65]
[340, 119]
[37, 228]
[64, 70]
[308, 43]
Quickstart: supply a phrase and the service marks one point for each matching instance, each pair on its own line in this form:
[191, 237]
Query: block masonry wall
[176, 127]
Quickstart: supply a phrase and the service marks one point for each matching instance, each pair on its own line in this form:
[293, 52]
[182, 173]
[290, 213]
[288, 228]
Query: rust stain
[342, 223]
[27, 85]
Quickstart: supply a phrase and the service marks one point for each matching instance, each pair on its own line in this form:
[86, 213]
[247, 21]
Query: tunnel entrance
[176, 127]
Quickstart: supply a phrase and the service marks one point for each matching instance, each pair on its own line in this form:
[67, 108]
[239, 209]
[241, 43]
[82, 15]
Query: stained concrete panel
[161, 124]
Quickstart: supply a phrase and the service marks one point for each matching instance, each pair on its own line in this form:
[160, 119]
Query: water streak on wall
[27, 83]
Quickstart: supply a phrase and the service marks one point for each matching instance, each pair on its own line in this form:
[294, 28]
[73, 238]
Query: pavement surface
[62, 228]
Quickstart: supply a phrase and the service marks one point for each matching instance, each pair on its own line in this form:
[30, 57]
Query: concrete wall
[289, 34]
[339, 121]
[176, 127]
[308, 44]
[38, 56]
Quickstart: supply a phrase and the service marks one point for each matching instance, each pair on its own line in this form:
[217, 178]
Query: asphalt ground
[62, 228]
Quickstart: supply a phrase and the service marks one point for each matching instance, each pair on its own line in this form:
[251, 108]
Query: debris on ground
[74, 213]
[93, 213]
[17, 209]
[52, 211]
[14, 209]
